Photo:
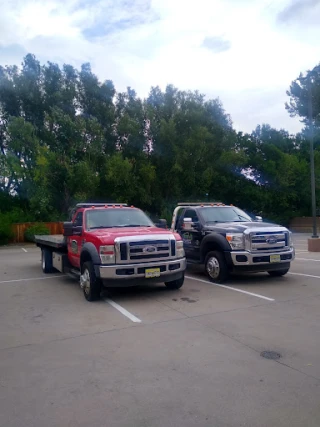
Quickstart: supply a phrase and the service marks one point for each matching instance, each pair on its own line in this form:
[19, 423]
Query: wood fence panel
[19, 229]
[303, 224]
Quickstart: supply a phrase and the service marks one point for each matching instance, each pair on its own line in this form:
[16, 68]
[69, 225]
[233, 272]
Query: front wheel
[278, 273]
[175, 284]
[216, 267]
[90, 283]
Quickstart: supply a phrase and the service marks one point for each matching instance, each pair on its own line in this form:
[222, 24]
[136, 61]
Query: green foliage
[66, 137]
[5, 229]
[36, 229]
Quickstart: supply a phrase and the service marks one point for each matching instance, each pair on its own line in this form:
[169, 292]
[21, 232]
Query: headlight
[290, 239]
[179, 249]
[107, 254]
[236, 241]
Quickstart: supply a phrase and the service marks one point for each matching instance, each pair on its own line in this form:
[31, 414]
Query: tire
[278, 273]
[216, 267]
[90, 283]
[175, 284]
[46, 261]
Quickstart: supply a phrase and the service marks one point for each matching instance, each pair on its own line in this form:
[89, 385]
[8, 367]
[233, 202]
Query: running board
[75, 272]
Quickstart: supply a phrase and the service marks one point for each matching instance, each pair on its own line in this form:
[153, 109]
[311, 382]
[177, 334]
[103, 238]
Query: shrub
[36, 229]
[5, 229]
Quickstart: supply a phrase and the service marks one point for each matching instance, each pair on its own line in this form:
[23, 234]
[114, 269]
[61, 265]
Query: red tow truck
[113, 245]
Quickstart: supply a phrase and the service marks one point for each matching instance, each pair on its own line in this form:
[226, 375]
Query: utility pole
[313, 184]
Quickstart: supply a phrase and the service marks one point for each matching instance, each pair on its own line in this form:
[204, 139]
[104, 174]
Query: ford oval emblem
[149, 249]
[272, 240]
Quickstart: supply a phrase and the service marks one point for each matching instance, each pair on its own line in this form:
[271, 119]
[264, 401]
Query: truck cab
[225, 240]
[114, 245]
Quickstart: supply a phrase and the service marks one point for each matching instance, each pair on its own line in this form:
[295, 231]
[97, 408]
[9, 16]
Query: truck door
[191, 236]
[75, 241]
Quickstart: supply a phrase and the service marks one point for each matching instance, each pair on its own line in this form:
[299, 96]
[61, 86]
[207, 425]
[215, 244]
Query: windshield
[107, 218]
[224, 214]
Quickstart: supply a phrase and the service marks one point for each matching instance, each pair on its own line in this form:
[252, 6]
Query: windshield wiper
[134, 225]
[96, 227]
[243, 217]
[100, 226]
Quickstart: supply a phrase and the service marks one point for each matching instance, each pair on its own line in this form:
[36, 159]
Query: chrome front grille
[144, 248]
[269, 241]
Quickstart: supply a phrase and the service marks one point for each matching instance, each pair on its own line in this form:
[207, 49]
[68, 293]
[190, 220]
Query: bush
[36, 229]
[6, 233]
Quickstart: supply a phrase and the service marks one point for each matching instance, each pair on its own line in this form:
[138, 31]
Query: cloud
[140, 43]
[297, 8]
[216, 44]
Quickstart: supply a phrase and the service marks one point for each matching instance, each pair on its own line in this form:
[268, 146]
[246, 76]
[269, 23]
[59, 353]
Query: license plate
[275, 258]
[152, 272]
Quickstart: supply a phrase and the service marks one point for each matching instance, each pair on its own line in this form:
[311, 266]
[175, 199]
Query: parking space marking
[122, 310]
[308, 259]
[231, 288]
[24, 250]
[306, 275]
[32, 278]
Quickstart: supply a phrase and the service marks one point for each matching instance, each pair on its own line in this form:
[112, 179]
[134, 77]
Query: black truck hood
[237, 227]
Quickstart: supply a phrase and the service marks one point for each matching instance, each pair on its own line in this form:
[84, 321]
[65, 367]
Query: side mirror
[259, 218]
[69, 229]
[187, 224]
[162, 223]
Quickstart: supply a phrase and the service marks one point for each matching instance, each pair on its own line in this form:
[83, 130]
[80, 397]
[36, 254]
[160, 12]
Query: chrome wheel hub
[85, 281]
[213, 267]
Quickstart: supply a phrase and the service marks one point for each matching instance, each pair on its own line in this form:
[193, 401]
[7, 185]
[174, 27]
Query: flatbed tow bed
[57, 241]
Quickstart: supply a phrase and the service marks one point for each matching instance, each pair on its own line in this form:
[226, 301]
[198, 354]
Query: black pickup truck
[225, 239]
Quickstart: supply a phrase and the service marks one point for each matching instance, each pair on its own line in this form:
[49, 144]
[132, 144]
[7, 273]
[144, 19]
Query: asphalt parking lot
[149, 357]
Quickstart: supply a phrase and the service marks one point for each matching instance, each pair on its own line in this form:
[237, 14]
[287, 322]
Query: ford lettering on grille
[272, 240]
[149, 249]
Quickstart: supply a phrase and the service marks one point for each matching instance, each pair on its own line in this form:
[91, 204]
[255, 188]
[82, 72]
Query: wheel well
[208, 247]
[85, 256]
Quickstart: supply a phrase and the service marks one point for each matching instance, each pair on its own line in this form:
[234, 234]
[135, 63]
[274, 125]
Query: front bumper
[138, 271]
[245, 258]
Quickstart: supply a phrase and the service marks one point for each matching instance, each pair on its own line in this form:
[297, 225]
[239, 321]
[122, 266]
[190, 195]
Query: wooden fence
[303, 224]
[19, 229]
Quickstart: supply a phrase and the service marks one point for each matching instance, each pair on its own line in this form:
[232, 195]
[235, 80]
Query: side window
[78, 219]
[191, 213]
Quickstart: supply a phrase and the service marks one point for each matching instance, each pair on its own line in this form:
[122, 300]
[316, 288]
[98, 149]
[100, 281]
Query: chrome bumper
[137, 271]
[261, 258]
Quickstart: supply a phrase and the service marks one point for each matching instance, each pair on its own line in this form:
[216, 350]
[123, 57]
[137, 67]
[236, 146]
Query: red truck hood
[108, 235]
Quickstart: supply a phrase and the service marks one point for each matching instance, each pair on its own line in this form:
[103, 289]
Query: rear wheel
[278, 273]
[216, 267]
[90, 283]
[46, 261]
[175, 284]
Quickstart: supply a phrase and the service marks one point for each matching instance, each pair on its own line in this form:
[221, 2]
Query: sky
[246, 52]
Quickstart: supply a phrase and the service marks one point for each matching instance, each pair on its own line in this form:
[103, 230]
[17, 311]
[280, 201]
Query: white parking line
[122, 310]
[308, 259]
[33, 278]
[24, 250]
[306, 275]
[231, 288]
